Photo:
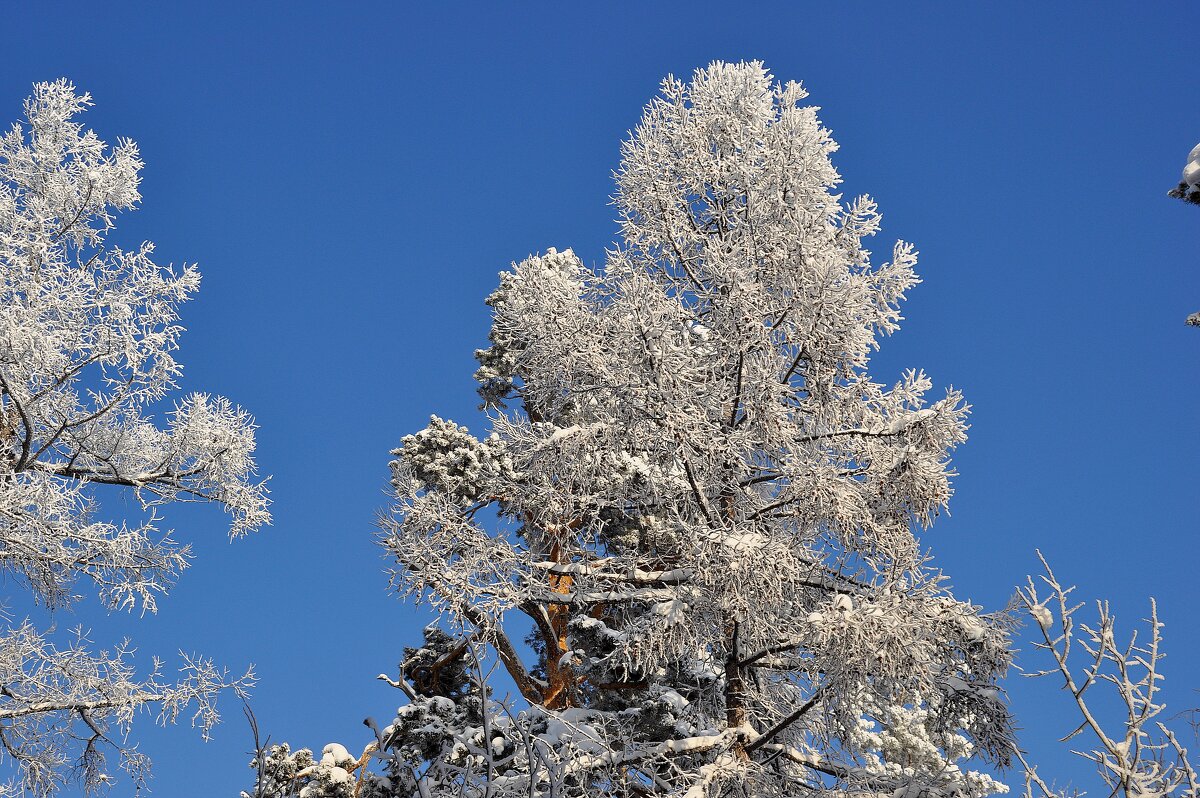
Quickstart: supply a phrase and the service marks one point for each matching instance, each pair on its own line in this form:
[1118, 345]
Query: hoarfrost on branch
[87, 336]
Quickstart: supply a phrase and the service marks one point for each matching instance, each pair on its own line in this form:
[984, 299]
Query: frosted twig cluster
[688, 538]
[87, 335]
[1114, 686]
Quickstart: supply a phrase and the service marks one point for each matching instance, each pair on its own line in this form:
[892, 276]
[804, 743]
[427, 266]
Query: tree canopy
[689, 536]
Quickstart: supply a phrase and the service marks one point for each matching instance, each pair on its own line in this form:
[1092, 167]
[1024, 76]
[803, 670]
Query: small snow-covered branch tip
[1188, 190]
[88, 332]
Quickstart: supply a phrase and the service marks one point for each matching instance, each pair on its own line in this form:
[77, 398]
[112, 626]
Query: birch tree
[689, 538]
[87, 335]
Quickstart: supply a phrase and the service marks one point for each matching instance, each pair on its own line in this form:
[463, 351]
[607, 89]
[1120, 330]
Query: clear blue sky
[351, 177]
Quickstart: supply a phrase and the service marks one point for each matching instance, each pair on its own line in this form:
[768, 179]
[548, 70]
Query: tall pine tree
[688, 537]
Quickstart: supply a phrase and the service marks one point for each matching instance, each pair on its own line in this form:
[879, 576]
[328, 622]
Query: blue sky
[351, 178]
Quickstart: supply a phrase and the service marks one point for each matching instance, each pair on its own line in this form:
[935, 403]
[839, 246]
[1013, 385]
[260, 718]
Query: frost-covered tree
[689, 536]
[87, 334]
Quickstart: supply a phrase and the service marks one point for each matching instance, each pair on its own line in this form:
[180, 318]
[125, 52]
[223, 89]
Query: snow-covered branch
[1135, 754]
[88, 332]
